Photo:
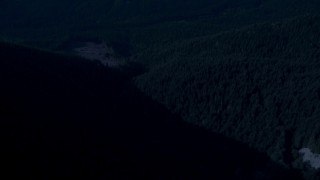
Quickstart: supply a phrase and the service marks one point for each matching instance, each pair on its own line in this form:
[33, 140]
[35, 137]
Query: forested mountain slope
[259, 84]
[290, 38]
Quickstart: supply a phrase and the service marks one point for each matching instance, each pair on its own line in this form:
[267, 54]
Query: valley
[100, 52]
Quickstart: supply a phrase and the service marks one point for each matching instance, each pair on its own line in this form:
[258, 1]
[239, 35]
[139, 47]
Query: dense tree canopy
[259, 84]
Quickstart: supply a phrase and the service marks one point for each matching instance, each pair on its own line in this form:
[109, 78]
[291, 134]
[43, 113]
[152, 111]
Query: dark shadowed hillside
[64, 117]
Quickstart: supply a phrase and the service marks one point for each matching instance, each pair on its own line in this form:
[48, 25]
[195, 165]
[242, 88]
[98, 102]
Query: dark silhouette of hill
[64, 117]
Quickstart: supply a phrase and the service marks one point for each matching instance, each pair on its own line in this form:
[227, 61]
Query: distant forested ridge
[50, 23]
